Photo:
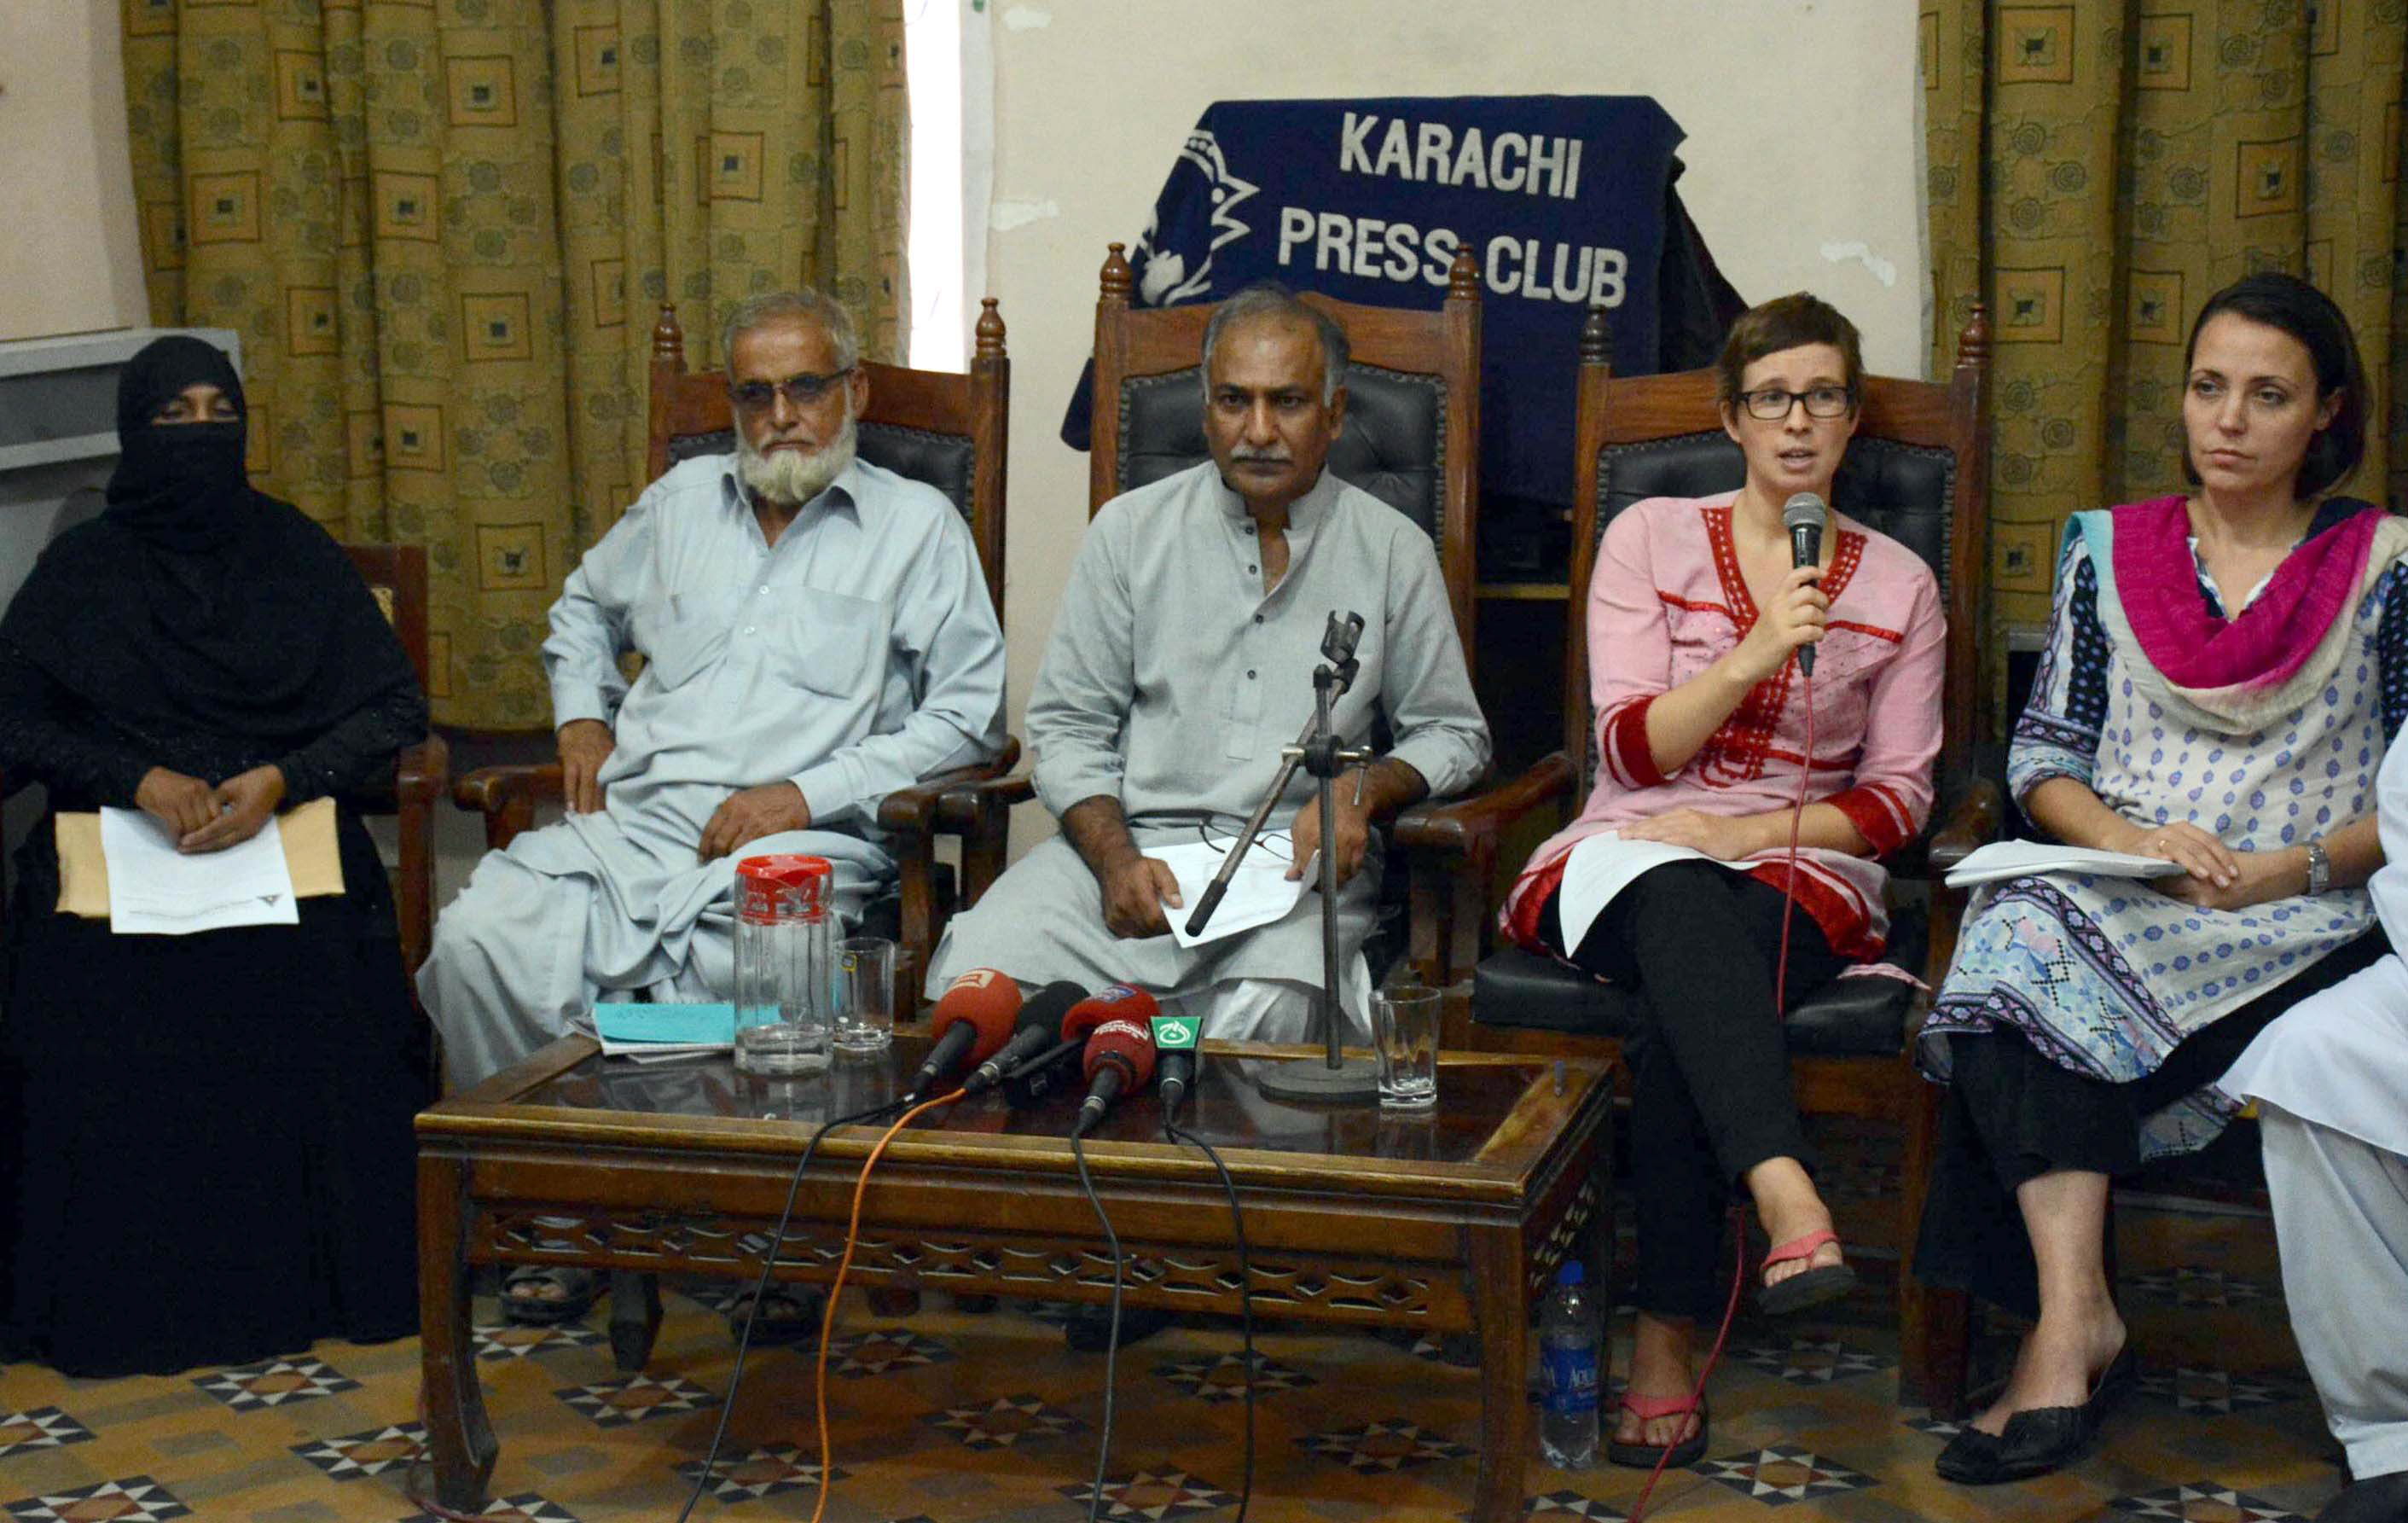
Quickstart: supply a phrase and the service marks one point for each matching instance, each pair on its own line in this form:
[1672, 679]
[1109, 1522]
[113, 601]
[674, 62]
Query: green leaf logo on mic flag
[1174, 1033]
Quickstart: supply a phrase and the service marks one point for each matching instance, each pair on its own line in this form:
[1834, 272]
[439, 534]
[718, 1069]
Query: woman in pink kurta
[1695, 617]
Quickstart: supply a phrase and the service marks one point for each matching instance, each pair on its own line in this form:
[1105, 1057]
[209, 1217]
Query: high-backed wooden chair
[397, 574]
[944, 429]
[1411, 437]
[1917, 471]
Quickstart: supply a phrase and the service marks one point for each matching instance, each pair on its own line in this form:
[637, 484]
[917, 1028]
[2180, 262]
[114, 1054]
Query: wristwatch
[2319, 866]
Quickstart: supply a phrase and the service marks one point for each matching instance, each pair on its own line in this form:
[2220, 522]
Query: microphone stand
[1317, 750]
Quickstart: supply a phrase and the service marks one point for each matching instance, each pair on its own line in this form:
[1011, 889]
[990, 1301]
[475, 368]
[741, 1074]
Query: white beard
[791, 478]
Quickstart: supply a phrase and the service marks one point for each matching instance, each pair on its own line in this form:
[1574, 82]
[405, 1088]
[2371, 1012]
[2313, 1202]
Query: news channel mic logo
[1174, 1033]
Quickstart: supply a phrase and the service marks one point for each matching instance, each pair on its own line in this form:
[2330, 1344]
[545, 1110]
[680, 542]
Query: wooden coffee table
[1452, 1224]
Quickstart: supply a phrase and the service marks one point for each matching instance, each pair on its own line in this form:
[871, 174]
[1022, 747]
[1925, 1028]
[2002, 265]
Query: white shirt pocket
[836, 646]
[683, 635]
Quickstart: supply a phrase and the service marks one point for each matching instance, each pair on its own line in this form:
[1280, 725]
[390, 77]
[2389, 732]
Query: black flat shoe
[1972, 1458]
[2039, 1441]
[2378, 1499]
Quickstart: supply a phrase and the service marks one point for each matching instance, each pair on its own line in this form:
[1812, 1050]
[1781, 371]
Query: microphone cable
[1245, 1296]
[1112, 1338]
[759, 1290]
[1781, 1010]
[844, 1266]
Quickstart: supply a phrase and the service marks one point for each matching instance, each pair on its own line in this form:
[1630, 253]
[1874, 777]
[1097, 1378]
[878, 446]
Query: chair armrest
[507, 797]
[490, 788]
[1468, 827]
[422, 771]
[953, 801]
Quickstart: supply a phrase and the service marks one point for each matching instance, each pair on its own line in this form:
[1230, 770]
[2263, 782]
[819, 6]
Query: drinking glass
[1404, 1035]
[864, 993]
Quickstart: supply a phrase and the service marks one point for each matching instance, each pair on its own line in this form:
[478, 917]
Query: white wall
[1804, 167]
[71, 255]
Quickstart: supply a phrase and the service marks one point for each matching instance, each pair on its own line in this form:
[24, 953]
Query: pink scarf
[2158, 582]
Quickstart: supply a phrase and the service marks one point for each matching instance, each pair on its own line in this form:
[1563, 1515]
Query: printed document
[156, 890]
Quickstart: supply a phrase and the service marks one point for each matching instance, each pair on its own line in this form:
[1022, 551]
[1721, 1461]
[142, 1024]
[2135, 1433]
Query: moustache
[1265, 457]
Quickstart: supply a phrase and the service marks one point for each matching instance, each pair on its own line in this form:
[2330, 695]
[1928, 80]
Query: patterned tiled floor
[948, 1417]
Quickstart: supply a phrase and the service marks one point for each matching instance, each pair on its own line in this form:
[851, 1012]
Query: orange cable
[827, 1320]
[1781, 1009]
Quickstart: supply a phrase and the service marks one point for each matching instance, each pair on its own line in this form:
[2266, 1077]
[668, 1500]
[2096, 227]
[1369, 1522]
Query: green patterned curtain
[2097, 170]
[442, 228]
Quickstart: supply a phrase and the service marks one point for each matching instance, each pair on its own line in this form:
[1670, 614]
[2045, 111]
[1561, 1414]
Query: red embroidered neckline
[1738, 751]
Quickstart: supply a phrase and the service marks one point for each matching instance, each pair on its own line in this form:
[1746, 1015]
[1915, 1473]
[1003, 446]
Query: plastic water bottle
[1567, 1357]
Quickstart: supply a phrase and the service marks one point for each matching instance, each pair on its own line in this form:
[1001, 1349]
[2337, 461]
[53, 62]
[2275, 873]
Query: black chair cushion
[1904, 490]
[1848, 1017]
[1393, 444]
[945, 461]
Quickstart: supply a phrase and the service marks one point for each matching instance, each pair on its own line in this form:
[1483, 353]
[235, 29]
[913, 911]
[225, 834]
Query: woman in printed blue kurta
[2223, 672]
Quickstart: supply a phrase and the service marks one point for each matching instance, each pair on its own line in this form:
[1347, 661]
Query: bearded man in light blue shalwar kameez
[816, 634]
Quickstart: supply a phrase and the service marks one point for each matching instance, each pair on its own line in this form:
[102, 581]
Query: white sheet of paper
[155, 890]
[1258, 894]
[2022, 858]
[1603, 866]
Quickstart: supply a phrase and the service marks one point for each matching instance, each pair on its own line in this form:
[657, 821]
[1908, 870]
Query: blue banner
[1562, 200]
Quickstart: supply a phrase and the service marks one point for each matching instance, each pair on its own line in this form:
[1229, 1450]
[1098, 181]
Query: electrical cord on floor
[759, 1290]
[1112, 1339]
[844, 1267]
[1780, 1010]
[1245, 1296]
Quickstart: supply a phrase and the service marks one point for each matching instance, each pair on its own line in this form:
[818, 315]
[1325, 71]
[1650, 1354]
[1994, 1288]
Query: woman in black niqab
[204, 1139]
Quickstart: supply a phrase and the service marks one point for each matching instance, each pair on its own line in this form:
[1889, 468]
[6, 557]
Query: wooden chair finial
[1596, 338]
[1116, 277]
[990, 330]
[1463, 277]
[668, 340]
[1973, 344]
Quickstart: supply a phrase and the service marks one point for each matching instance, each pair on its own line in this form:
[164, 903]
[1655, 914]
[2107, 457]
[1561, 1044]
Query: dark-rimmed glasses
[1772, 403]
[1221, 838]
[803, 391]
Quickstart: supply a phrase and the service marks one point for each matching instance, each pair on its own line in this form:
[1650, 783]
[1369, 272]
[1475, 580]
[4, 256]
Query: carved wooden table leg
[1503, 1309]
[458, 1437]
[635, 1318]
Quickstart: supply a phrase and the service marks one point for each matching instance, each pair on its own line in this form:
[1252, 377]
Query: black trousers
[2012, 1116]
[1711, 1097]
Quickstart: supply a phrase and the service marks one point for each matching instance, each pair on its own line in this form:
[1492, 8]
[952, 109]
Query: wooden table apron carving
[1453, 1223]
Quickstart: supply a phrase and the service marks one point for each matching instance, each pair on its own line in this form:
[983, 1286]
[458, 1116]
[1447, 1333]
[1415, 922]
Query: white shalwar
[2330, 1077]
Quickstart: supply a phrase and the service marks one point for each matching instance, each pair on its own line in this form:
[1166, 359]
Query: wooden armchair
[1411, 437]
[1917, 469]
[946, 430]
[397, 574]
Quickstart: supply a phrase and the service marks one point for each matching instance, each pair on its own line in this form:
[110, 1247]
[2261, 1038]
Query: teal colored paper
[690, 1023]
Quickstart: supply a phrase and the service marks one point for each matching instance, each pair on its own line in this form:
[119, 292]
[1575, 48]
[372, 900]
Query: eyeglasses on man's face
[803, 391]
[1772, 403]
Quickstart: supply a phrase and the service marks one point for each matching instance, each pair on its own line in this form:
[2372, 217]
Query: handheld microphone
[1113, 1002]
[1031, 1034]
[1804, 516]
[1119, 1058]
[1174, 1045]
[1053, 1068]
[972, 1019]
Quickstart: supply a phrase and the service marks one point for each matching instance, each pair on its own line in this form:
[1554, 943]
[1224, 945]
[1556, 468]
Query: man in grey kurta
[816, 633]
[1181, 663]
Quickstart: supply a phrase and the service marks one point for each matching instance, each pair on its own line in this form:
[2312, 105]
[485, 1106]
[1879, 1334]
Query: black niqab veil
[197, 604]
